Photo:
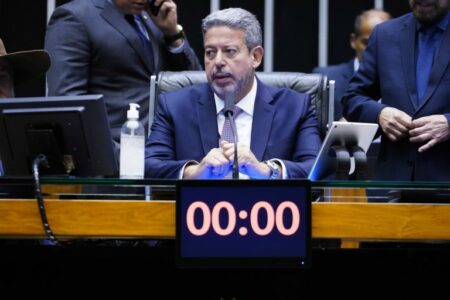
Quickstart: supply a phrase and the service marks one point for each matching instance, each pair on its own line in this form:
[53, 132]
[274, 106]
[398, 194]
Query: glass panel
[149, 189]
[379, 191]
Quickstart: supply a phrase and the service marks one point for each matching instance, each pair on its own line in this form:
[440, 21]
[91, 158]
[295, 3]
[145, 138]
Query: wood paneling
[156, 219]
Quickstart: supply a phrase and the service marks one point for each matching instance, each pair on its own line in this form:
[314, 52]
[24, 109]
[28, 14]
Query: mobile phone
[153, 8]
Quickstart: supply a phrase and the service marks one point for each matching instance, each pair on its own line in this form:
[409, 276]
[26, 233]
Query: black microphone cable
[42, 160]
[235, 174]
[229, 112]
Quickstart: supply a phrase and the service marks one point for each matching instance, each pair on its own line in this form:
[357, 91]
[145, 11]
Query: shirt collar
[355, 64]
[247, 104]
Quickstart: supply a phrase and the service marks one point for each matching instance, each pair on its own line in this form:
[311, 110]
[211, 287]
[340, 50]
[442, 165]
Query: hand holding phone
[153, 8]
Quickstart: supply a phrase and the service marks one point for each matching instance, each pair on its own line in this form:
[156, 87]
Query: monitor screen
[71, 131]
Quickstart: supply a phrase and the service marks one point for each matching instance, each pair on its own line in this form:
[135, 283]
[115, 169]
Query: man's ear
[353, 41]
[257, 54]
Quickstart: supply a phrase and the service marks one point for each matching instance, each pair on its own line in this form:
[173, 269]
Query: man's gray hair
[236, 18]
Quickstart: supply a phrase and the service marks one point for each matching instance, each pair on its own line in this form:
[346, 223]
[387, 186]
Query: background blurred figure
[341, 73]
[111, 47]
[20, 67]
[277, 129]
[407, 64]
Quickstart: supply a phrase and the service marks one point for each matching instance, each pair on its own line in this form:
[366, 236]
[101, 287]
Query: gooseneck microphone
[228, 112]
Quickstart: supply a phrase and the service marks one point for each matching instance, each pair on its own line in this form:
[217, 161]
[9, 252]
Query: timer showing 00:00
[275, 218]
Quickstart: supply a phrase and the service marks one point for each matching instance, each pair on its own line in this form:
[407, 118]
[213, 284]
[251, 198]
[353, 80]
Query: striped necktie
[139, 26]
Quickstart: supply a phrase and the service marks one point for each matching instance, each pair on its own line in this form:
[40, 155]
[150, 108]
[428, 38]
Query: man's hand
[430, 130]
[214, 165]
[395, 123]
[167, 18]
[248, 164]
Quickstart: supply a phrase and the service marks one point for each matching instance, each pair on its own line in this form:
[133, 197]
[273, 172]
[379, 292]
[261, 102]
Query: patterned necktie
[139, 26]
[427, 48]
[227, 132]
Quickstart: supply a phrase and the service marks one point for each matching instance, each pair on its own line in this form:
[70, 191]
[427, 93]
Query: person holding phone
[111, 47]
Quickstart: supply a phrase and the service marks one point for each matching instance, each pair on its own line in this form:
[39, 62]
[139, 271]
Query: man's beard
[239, 87]
[429, 16]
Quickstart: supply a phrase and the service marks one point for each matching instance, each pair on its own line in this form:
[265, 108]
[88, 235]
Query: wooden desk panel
[156, 219]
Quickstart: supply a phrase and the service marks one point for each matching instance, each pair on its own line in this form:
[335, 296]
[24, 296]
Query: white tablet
[344, 134]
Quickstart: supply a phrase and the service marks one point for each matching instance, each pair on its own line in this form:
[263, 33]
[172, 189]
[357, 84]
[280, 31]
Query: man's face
[429, 11]
[368, 23]
[230, 65]
[133, 7]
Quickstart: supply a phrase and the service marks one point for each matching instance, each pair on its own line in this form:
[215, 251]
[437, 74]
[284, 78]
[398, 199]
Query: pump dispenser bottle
[132, 145]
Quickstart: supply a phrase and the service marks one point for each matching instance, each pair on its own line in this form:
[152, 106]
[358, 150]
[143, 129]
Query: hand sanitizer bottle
[132, 146]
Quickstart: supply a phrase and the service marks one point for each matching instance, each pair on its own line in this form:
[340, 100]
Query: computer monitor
[72, 131]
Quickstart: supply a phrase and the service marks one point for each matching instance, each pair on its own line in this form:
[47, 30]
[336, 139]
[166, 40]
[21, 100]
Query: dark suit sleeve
[186, 60]
[66, 40]
[160, 152]
[307, 144]
[360, 101]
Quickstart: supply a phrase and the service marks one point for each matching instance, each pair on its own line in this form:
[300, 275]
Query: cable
[235, 160]
[42, 160]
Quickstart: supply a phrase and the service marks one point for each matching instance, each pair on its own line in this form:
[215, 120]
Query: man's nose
[219, 59]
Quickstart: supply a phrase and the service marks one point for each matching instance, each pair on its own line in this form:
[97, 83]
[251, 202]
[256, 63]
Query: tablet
[343, 134]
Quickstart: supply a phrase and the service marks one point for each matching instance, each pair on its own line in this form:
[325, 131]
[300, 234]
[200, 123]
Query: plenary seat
[316, 85]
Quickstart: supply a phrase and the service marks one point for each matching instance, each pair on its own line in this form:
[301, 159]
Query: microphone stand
[235, 174]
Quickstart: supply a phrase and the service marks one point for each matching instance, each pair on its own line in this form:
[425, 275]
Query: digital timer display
[243, 222]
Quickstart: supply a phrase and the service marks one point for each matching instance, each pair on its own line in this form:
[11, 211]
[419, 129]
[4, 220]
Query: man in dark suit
[111, 47]
[341, 73]
[407, 64]
[277, 128]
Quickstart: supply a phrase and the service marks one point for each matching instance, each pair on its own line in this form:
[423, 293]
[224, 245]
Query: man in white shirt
[277, 128]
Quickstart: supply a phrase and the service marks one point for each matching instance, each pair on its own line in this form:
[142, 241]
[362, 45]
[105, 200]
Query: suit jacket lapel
[407, 42]
[262, 121]
[439, 65]
[153, 32]
[117, 20]
[207, 116]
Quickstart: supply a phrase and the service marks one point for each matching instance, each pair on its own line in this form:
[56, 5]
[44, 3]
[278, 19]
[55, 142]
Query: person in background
[19, 67]
[111, 47]
[277, 128]
[407, 64]
[341, 73]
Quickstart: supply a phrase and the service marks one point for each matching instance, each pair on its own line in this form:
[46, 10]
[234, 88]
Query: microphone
[229, 107]
[228, 112]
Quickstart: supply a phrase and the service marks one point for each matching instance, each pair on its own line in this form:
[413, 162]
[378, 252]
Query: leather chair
[316, 85]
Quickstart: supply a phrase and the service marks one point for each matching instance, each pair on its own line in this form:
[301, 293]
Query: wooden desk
[156, 219]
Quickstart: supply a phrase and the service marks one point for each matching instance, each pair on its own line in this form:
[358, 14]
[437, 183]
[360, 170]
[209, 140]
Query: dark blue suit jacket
[388, 72]
[185, 128]
[341, 73]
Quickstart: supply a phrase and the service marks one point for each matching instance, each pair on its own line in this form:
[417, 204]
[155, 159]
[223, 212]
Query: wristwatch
[274, 169]
[169, 39]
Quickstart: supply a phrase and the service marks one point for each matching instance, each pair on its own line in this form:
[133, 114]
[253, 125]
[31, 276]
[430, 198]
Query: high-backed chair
[316, 85]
